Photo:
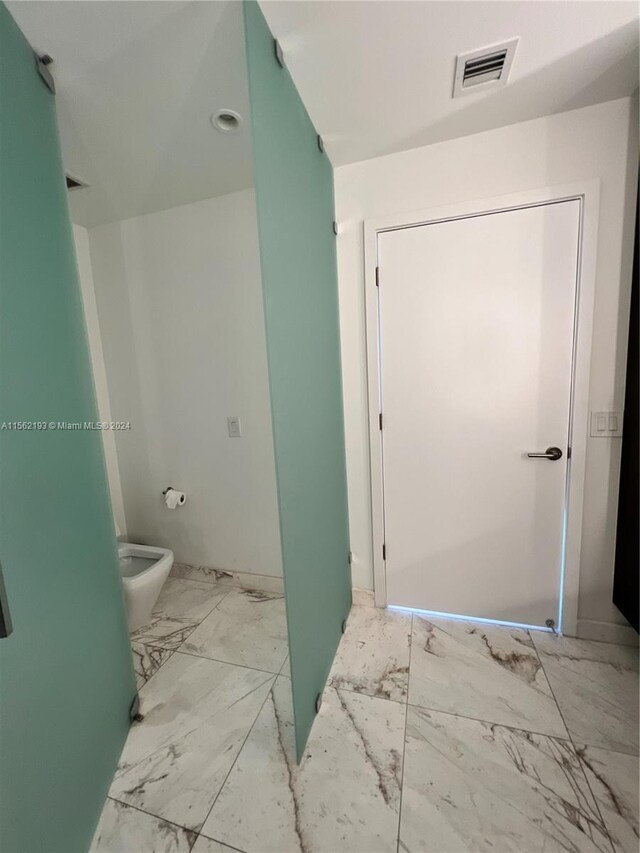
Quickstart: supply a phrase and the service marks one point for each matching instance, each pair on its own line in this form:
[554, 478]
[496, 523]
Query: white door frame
[588, 194]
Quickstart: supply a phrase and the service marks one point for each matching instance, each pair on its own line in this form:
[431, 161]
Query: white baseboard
[264, 583]
[606, 632]
[245, 580]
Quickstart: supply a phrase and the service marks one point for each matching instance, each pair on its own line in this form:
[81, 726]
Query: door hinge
[335, 227]
[42, 64]
[134, 710]
[384, 551]
[377, 276]
[568, 453]
[380, 421]
[350, 557]
[279, 55]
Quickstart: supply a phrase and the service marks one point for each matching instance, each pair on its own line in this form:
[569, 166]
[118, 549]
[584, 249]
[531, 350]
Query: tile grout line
[251, 727]
[610, 751]
[232, 576]
[404, 734]
[330, 683]
[172, 651]
[489, 722]
[215, 841]
[228, 663]
[564, 722]
[507, 725]
[575, 749]
[285, 661]
[162, 615]
[194, 580]
[155, 671]
[197, 832]
[152, 814]
[222, 599]
[215, 607]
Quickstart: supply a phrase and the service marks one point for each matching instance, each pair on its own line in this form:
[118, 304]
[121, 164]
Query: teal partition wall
[66, 676]
[294, 193]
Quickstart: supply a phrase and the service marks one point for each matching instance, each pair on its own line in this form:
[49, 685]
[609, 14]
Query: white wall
[599, 141]
[85, 274]
[179, 299]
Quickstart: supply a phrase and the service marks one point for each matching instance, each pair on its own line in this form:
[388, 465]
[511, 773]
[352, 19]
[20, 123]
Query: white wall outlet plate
[234, 426]
[606, 424]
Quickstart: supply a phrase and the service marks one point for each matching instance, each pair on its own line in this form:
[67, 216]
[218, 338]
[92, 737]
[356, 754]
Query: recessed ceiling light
[226, 121]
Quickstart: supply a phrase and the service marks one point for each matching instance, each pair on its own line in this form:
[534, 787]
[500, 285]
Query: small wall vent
[485, 68]
[74, 183]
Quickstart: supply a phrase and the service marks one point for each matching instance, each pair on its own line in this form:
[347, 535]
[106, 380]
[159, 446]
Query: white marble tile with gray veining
[482, 671]
[244, 580]
[123, 829]
[264, 583]
[373, 655]
[345, 795]
[613, 777]
[206, 845]
[147, 660]
[362, 597]
[596, 687]
[248, 627]
[181, 606]
[164, 632]
[197, 713]
[189, 599]
[186, 571]
[475, 786]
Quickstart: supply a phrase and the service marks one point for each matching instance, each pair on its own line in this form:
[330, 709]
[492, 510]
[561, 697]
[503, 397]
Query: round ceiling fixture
[226, 121]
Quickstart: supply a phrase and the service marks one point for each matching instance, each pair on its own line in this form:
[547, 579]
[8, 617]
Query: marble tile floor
[434, 736]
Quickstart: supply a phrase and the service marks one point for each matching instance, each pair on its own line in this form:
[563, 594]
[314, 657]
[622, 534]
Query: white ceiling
[377, 77]
[137, 83]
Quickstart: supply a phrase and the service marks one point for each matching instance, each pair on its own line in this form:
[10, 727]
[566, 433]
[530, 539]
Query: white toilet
[143, 570]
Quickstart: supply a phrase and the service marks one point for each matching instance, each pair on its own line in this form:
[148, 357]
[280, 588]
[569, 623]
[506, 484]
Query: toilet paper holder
[173, 497]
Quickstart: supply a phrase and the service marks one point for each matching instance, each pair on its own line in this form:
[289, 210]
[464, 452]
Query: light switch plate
[234, 426]
[606, 424]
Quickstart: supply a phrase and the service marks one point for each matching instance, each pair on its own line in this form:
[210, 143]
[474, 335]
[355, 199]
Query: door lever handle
[552, 453]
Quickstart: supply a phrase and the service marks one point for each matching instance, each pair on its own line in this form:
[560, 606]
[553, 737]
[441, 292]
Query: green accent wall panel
[66, 674]
[294, 194]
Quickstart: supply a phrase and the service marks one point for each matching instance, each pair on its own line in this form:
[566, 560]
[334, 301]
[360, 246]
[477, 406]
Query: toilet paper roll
[174, 498]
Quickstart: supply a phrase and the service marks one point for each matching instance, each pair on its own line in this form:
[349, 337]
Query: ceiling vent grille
[485, 68]
[74, 183]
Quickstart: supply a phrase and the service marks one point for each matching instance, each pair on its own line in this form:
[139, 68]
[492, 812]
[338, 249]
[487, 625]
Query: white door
[476, 338]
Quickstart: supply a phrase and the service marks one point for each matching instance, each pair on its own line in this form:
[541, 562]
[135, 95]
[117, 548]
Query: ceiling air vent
[74, 183]
[482, 69]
